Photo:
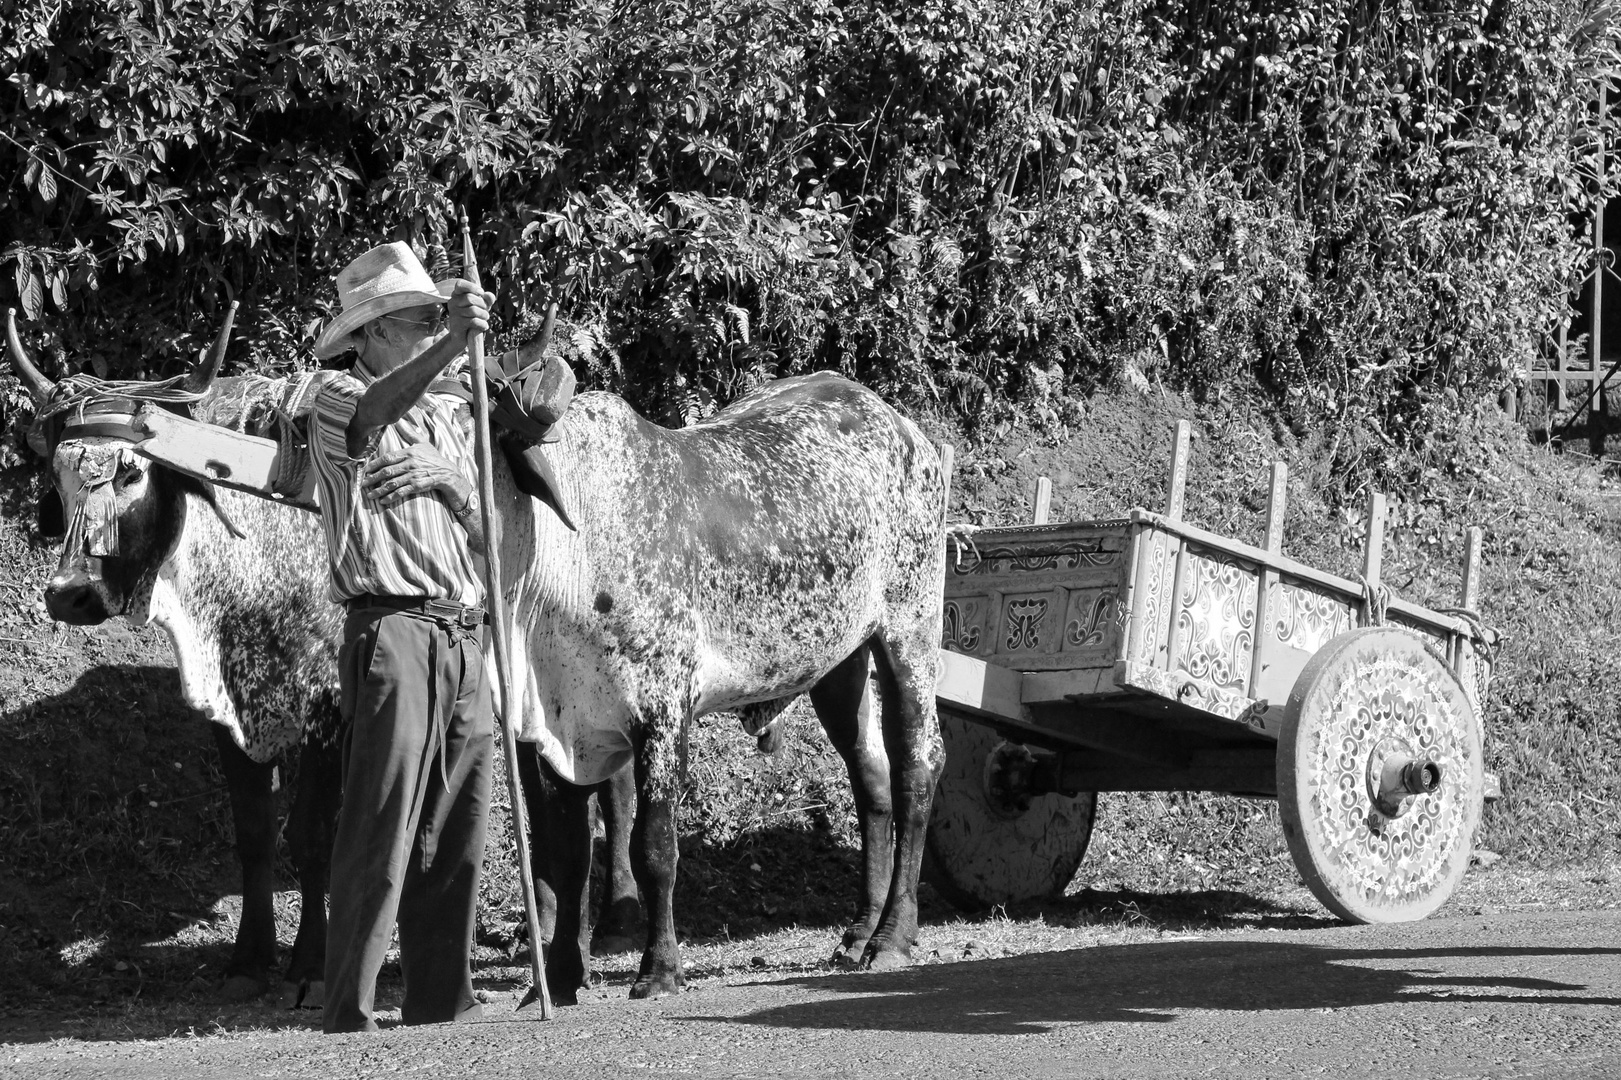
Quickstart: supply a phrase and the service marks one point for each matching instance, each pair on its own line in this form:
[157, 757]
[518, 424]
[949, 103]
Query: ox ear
[52, 521]
[205, 491]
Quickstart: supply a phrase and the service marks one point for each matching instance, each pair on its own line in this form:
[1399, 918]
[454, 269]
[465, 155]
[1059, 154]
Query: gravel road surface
[1499, 995]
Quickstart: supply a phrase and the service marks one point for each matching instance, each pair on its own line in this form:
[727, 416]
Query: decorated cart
[1146, 654]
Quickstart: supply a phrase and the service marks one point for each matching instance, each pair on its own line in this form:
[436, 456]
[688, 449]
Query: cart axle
[1414, 777]
[1395, 776]
[1016, 773]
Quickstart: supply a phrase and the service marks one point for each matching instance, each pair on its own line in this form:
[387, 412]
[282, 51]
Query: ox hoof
[561, 995]
[853, 947]
[848, 957]
[886, 960]
[529, 1007]
[648, 989]
[311, 995]
[242, 987]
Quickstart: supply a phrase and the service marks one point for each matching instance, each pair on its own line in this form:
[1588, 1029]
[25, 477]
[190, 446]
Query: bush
[970, 201]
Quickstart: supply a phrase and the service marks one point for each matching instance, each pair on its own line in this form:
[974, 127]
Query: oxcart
[1146, 654]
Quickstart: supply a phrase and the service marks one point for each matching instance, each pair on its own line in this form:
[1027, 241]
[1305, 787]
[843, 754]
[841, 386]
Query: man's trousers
[416, 796]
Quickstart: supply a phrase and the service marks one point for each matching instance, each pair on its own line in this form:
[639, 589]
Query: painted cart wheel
[982, 851]
[1379, 777]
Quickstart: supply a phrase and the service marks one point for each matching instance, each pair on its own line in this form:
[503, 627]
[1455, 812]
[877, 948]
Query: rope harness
[1375, 600]
[84, 407]
[960, 535]
[1489, 642]
[76, 392]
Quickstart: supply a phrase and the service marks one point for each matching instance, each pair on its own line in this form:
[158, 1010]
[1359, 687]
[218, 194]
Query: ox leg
[560, 848]
[540, 873]
[621, 906]
[653, 855]
[907, 669]
[253, 813]
[844, 703]
[311, 826]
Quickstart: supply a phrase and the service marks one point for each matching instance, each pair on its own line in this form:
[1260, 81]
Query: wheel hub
[1396, 776]
[1009, 774]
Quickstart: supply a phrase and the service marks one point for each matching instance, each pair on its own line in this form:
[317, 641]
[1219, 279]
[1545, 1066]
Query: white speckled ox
[254, 636]
[792, 543]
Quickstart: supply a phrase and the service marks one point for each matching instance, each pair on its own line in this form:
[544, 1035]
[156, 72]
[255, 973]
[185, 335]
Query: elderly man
[399, 506]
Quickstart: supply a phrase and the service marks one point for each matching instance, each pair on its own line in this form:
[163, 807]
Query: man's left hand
[468, 311]
[391, 478]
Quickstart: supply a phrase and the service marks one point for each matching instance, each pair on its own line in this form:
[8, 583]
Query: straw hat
[387, 278]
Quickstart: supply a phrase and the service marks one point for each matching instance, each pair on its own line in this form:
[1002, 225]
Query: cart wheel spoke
[981, 850]
[1380, 779]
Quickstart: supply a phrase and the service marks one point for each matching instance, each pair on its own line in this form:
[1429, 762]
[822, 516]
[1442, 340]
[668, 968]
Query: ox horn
[202, 376]
[39, 387]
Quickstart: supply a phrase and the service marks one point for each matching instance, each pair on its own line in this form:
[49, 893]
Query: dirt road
[1498, 995]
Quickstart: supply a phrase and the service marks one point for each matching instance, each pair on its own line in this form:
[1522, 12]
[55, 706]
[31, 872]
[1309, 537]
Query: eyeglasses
[430, 325]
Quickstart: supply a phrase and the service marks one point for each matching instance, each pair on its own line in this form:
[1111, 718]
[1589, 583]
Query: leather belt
[437, 609]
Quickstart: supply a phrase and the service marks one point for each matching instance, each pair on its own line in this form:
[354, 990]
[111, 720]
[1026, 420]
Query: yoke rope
[76, 391]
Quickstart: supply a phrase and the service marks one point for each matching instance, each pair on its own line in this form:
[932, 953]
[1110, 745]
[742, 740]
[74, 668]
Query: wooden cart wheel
[981, 851]
[1379, 776]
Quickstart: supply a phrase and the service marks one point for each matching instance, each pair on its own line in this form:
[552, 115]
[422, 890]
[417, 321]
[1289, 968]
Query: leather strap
[417, 605]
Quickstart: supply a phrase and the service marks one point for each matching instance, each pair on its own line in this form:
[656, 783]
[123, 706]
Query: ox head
[121, 515]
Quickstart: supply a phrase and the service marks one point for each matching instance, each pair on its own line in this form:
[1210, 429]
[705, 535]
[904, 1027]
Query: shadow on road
[1150, 983]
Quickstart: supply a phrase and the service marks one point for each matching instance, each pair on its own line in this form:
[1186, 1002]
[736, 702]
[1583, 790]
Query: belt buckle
[470, 618]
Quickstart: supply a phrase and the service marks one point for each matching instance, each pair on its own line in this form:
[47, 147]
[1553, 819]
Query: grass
[117, 838]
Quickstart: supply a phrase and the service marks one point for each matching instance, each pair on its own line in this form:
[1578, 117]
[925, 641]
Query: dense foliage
[1368, 204]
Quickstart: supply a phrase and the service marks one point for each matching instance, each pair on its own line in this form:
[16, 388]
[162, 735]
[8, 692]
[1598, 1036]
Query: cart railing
[1153, 605]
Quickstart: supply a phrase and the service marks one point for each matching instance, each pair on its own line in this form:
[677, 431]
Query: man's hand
[468, 311]
[389, 479]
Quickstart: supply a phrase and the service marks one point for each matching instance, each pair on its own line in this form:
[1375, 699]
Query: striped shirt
[414, 548]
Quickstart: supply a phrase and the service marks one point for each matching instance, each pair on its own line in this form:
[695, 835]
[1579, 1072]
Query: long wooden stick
[495, 602]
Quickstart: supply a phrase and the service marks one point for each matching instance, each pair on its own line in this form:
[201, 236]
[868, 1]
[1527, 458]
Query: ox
[232, 582]
[793, 542]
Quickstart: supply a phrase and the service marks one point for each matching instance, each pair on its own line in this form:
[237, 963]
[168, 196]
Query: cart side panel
[1040, 598]
[1301, 617]
[1306, 617]
[1215, 621]
[1192, 638]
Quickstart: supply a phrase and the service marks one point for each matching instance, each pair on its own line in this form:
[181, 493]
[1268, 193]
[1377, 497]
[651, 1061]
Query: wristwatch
[468, 505]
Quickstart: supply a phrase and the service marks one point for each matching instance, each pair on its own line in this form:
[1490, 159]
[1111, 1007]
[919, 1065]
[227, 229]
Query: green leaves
[1362, 204]
[30, 292]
